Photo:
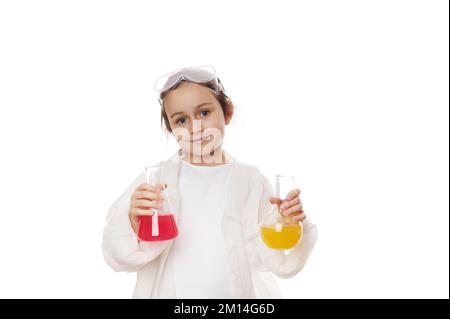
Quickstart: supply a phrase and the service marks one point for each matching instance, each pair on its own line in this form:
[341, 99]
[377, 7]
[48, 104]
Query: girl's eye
[181, 120]
[204, 113]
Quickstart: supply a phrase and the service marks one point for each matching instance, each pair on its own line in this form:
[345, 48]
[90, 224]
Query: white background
[351, 97]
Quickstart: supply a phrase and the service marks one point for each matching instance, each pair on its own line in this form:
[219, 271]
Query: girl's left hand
[290, 206]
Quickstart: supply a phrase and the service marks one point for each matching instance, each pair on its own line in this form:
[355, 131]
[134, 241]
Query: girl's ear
[230, 109]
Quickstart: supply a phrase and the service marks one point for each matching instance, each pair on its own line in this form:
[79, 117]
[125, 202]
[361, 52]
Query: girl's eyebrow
[200, 105]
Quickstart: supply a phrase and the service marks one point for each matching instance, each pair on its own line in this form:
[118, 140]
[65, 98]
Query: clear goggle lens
[198, 74]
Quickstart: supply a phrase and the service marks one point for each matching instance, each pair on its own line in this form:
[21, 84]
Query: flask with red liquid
[161, 225]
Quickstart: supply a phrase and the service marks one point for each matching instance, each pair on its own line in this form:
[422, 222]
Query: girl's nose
[196, 127]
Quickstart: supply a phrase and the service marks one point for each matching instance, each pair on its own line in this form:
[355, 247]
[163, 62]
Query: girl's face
[196, 119]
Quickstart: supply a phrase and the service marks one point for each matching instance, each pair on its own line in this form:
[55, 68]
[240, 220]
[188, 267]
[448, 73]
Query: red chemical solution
[167, 228]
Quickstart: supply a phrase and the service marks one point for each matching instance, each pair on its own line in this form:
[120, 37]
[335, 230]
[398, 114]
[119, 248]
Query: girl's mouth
[202, 139]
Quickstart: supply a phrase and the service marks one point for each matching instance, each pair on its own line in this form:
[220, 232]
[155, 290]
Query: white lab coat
[252, 264]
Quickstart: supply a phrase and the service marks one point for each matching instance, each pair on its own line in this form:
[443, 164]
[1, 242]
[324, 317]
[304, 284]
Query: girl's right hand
[144, 198]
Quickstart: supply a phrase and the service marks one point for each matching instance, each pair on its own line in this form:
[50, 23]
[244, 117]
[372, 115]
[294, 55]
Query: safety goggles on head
[196, 74]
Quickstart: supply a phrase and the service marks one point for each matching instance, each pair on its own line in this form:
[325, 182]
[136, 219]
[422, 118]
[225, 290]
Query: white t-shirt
[198, 257]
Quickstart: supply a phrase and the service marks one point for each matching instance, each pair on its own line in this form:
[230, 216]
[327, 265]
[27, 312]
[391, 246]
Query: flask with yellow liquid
[279, 231]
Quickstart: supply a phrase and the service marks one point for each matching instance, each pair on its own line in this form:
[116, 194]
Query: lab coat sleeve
[263, 258]
[121, 248]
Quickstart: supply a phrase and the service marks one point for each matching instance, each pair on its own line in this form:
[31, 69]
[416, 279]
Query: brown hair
[224, 101]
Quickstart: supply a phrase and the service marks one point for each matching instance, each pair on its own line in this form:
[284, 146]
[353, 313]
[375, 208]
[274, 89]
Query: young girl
[218, 203]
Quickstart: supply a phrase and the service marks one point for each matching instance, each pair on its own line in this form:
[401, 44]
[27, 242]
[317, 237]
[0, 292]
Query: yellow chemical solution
[286, 238]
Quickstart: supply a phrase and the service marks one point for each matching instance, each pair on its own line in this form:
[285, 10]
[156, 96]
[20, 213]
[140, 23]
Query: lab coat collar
[177, 157]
